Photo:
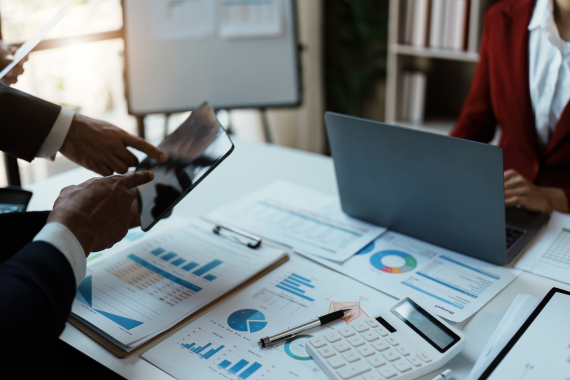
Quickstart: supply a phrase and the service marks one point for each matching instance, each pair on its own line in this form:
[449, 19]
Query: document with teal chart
[133, 295]
[222, 344]
[454, 286]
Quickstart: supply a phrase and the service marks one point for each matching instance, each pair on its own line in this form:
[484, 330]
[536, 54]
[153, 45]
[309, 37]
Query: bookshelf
[449, 72]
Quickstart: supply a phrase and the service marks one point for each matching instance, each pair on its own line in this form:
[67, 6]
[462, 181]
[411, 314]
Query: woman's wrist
[556, 197]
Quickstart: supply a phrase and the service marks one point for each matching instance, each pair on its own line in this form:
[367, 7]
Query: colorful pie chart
[407, 262]
[247, 320]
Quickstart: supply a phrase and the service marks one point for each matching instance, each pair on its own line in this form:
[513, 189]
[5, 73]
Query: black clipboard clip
[254, 243]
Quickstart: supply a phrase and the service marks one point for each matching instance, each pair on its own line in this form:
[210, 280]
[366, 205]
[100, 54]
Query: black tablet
[195, 149]
[541, 347]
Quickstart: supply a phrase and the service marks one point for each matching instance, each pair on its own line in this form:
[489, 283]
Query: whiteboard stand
[230, 73]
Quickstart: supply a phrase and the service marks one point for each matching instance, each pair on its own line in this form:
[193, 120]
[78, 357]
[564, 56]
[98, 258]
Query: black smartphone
[195, 149]
[14, 199]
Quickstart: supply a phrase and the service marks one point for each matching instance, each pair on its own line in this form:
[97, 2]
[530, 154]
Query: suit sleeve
[37, 286]
[477, 120]
[25, 122]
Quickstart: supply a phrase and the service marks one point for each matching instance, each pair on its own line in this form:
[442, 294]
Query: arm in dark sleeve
[25, 122]
[477, 120]
[37, 286]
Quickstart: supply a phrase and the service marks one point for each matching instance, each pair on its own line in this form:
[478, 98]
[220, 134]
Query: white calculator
[402, 343]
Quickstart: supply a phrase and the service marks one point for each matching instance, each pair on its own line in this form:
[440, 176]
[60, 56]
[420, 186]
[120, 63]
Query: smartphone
[14, 199]
[195, 149]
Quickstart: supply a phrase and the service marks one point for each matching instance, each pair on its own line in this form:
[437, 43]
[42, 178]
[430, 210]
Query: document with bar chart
[222, 344]
[135, 294]
[549, 255]
[451, 285]
[301, 218]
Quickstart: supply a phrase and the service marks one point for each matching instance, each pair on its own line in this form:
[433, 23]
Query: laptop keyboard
[513, 234]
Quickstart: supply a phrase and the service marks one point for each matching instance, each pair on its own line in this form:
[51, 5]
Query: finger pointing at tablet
[102, 147]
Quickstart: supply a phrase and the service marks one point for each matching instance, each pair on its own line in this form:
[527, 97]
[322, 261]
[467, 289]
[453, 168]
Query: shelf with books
[435, 53]
[433, 46]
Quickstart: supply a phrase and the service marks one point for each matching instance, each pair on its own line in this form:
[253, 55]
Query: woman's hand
[521, 191]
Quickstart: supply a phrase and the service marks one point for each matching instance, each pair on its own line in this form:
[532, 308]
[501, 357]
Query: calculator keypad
[367, 351]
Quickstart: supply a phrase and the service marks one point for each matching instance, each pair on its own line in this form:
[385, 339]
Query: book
[437, 23]
[414, 94]
[420, 21]
[456, 24]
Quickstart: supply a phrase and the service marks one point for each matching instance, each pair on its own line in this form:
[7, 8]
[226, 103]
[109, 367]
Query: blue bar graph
[190, 266]
[203, 348]
[291, 287]
[178, 261]
[188, 346]
[210, 277]
[211, 265]
[295, 293]
[225, 364]
[291, 283]
[212, 352]
[164, 274]
[238, 367]
[168, 256]
[157, 251]
[302, 282]
[297, 285]
[250, 370]
[300, 278]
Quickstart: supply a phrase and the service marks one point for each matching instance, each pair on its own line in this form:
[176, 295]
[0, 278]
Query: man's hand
[520, 191]
[102, 147]
[6, 57]
[99, 211]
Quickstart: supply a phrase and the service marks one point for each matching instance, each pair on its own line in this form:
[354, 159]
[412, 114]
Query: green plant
[356, 33]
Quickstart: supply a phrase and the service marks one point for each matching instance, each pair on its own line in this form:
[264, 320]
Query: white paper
[448, 284]
[306, 220]
[182, 19]
[144, 289]
[250, 18]
[521, 308]
[30, 44]
[543, 351]
[273, 310]
[549, 255]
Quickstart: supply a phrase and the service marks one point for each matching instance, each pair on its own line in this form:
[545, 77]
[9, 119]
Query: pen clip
[253, 244]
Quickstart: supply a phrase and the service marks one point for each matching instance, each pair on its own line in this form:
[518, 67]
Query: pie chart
[247, 320]
[390, 261]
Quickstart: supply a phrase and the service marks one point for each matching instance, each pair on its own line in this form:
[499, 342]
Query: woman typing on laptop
[522, 83]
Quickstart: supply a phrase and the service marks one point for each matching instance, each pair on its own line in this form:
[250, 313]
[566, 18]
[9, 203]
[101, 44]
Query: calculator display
[428, 327]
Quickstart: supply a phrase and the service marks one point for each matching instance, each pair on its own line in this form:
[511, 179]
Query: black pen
[290, 333]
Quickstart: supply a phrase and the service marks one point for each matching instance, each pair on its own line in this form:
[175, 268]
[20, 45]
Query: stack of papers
[549, 255]
[448, 283]
[519, 311]
[308, 221]
[223, 342]
[132, 295]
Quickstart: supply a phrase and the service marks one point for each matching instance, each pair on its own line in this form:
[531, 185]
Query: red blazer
[500, 95]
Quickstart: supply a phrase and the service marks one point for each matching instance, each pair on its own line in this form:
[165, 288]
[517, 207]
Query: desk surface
[251, 166]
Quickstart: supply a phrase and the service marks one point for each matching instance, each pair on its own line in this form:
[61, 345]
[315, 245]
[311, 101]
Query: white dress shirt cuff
[57, 135]
[63, 239]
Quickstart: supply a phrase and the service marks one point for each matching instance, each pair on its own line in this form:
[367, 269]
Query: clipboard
[234, 232]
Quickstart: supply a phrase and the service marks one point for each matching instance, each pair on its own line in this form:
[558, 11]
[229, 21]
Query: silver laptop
[440, 189]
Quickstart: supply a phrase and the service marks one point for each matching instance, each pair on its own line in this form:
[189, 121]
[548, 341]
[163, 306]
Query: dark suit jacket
[500, 94]
[37, 286]
[25, 122]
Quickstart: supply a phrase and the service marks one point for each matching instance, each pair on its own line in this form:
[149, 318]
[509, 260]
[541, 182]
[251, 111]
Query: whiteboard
[165, 76]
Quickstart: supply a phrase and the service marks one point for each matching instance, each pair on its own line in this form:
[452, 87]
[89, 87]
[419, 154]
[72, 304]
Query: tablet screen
[195, 149]
[542, 350]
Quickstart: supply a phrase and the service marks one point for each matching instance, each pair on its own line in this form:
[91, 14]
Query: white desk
[251, 166]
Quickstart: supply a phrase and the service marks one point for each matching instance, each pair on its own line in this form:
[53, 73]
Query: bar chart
[242, 368]
[239, 366]
[177, 261]
[201, 350]
[297, 285]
